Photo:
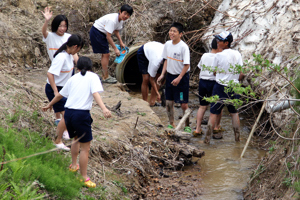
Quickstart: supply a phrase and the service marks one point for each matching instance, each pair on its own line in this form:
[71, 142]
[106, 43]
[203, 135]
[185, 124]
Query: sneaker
[170, 126]
[62, 146]
[66, 135]
[110, 80]
[56, 121]
[187, 129]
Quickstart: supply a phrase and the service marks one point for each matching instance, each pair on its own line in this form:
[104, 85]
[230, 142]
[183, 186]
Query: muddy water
[223, 174]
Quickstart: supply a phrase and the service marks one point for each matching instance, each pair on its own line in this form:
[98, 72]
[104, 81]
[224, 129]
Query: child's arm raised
[99, 101]
[47, 14]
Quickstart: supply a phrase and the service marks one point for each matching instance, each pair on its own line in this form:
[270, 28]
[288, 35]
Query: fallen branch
[183, 119]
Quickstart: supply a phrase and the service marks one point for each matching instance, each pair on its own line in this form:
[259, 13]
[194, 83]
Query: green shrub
[50, 170]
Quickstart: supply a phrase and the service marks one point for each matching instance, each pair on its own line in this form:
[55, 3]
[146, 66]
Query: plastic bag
[123, 53]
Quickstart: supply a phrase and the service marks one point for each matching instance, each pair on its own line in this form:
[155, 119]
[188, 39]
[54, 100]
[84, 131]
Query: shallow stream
[222, 175]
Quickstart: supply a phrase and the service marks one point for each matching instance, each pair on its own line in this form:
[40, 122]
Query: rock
[14, 3]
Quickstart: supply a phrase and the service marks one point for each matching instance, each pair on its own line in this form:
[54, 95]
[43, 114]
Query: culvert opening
[128, 71]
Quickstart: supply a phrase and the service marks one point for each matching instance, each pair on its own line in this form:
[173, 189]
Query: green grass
[26, 176]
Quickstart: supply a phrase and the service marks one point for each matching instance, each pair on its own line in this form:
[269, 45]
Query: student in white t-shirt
[55, 38]
[207, 81]
[80, 90]
[177, 66]
[59, 72]
[223, 61]
[150, 63]
[100, 36]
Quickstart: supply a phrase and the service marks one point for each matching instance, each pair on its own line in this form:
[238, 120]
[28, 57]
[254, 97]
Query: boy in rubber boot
[176, 67]
[223, 61]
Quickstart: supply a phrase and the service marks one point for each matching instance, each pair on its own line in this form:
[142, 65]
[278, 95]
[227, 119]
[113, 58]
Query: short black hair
[214, 44]
[229, 40]
[56, 22]
[178, 26]
[127, 8]
[84, 64]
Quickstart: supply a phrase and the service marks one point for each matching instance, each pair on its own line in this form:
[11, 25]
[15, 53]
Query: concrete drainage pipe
[128, 70]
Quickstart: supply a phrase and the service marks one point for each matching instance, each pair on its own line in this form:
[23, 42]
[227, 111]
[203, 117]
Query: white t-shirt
[109, 23]
[223, 60]
[54, 41]
[79, 90]
[62, 66]
[177, 56]
[207, 59]
[153, 52]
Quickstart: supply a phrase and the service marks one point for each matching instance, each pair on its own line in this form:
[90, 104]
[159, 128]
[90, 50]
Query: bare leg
[200, 115]
[170, 111]
[61, 127]
[184, 107]
[83, 158]
[57, 115]
[145, 86]
[74, 152]
[211, 123]
[104, 63]
[153, 95]
[236, 125]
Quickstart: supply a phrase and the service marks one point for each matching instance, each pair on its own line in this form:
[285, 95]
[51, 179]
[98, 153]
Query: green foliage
[287, 182]
[272, 148]
[259, 169]
[141, 113]
[49, 170]
[119, 184]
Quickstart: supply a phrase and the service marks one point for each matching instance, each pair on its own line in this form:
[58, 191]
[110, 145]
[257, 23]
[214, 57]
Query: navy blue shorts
[205, 90]
[78, 122]
[161, 67]
[98, 41]
[179, 93]
[142, 60]
[59, 106]
[216, 108]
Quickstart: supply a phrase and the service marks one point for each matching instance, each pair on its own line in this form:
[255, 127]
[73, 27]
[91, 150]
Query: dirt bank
[131, 148]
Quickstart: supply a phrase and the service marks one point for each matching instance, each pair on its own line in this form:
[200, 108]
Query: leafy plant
[142, 114]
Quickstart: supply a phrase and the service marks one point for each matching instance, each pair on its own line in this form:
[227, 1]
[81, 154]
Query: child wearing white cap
[223, 61]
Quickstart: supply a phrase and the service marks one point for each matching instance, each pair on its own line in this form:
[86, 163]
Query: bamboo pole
[256, 122]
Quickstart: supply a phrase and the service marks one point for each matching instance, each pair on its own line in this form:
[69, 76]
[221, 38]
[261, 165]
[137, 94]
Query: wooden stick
[185, 116]
[137, 119]
[256, 122]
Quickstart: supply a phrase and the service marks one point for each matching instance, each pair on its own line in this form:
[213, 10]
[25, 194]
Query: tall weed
[50, 169]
